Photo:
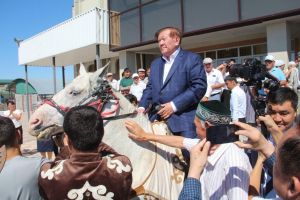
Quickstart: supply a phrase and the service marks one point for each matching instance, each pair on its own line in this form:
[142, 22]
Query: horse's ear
[102, 72]
[82, 69]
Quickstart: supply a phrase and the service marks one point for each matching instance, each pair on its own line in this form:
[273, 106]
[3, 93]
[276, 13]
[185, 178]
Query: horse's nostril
[35, 122]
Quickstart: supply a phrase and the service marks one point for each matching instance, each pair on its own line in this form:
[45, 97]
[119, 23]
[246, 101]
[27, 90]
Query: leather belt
[215, 94]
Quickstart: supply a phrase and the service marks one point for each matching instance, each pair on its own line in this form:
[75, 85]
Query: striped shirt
[226, 174]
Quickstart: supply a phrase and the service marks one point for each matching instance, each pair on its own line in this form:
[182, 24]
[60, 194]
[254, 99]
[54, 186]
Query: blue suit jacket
[185, 85]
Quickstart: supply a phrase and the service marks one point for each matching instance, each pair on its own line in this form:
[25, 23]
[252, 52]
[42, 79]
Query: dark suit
[185, 85]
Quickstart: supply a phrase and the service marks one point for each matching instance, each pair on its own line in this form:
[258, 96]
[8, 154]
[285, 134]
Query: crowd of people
[191, 96]
[133, 84]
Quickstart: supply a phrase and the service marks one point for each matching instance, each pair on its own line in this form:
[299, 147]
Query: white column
[127, 59]
[279, 41]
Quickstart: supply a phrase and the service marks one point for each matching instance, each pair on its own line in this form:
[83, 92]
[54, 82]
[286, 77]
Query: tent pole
[54, 74]
[27, 95]
[63, 77]
[98, 56]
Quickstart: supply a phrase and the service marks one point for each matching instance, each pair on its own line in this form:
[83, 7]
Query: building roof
[70, 42]
[40, 86]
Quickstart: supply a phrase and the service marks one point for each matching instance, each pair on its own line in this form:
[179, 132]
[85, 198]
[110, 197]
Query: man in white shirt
[227, 172]
[237, 100]
[137, 87]
[142, 75]
[215, 79]
[113, 82]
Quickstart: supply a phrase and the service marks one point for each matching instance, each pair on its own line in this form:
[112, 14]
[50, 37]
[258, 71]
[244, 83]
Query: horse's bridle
[103, 91]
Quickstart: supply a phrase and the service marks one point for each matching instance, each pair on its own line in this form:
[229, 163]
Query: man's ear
[69, 143]
[18, 134]
[208, 124]
[293, 188]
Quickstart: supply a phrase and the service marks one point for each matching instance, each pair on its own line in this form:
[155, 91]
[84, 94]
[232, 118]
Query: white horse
[157, 169]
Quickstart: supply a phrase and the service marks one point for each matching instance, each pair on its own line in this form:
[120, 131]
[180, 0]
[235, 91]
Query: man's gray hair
[201, 122]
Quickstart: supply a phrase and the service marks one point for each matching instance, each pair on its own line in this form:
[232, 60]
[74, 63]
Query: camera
[253, 72]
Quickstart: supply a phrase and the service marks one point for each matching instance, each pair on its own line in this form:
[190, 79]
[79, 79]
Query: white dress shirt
[226, 174]
[237, 103]
[137, 89]
[215, 77]
[167, 68]
[208, 90]
[13, 119]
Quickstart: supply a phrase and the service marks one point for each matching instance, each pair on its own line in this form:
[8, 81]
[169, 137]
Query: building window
[228, 53]
[211, 54]
[239, 54]
[129, 29]
[245, 51]
[158, 15]
[122, 5]
[260, 49]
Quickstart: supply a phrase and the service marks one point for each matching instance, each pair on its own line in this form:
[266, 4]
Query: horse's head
[47, 121]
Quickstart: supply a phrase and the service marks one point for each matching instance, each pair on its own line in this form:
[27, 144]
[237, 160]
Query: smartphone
[222, 134]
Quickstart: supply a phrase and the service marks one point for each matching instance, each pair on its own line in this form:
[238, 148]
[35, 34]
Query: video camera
[254, 73]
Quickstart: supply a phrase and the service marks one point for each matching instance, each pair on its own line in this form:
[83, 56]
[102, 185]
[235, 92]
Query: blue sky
[23, 19]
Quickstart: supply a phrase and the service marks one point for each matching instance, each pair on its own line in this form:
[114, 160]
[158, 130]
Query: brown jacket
[103, 175]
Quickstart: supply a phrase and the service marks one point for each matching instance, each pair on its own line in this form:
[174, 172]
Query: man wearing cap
[124, 91]
[215, 79]
[269, 62]
[177, 83]
[126, 81]
[137, 87]
[142, 75]
[112, 81]
[19, 176]
[227, 172]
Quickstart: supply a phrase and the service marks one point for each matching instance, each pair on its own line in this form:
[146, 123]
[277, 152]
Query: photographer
[282, 107]
[286, 168]
[269, 62]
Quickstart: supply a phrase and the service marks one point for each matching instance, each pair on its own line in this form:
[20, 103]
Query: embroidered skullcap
[214, 112]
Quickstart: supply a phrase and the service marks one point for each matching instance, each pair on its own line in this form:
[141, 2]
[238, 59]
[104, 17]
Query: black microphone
[158, 107]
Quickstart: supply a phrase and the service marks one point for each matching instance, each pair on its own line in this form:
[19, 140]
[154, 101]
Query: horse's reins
[103, 91]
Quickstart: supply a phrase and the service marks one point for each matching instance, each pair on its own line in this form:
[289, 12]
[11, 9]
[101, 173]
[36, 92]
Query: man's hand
[135, 131]
[257, 141]
[198, 159]
[167, 111]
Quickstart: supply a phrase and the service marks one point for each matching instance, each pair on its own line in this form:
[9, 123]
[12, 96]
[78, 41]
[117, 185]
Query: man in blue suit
[177, 82]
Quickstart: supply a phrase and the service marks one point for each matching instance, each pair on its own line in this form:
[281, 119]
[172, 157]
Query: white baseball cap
[291, 63]
[269, 58]
[207, 61]
[279, 63]
[141, 70]
[109, 74]
[135, 75]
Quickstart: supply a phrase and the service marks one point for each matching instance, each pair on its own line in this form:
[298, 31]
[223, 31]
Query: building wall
[81, 6]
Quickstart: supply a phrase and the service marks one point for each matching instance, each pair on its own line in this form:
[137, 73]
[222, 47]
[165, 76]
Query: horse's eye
[74, 93]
